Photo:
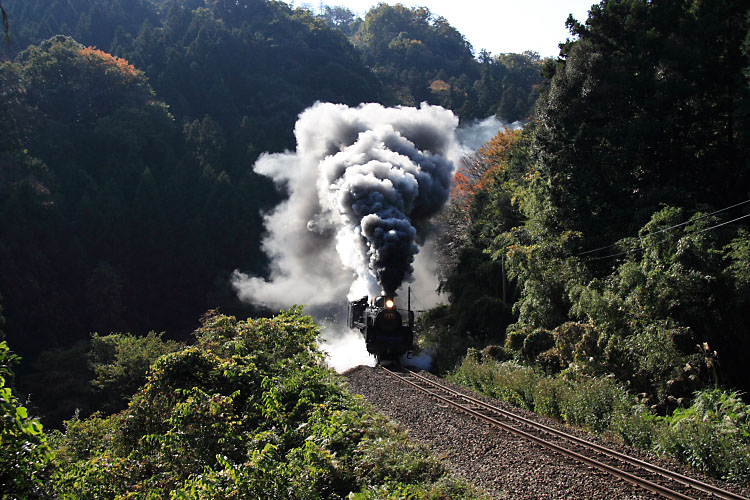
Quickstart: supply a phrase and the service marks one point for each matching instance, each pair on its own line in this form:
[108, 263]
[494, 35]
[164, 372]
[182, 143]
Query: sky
[496, 25]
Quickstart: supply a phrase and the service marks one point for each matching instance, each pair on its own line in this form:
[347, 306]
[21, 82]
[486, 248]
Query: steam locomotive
[387, 333]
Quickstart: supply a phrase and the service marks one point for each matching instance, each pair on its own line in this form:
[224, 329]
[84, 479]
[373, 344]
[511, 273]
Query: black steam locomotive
[387, 333]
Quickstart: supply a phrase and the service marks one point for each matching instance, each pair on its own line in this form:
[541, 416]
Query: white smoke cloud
[421, 361]
[424, 288]
[363, 184]
[344, 348]
[474, 135]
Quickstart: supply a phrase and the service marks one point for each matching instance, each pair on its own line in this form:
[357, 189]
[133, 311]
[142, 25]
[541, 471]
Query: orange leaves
[464, 189]
[479, 170]
[440, 87]
[498, 149]
[118, 63]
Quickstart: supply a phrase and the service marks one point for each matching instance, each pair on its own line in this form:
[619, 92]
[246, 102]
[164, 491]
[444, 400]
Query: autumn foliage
[479, 169]
[106, 59]
[440, 87]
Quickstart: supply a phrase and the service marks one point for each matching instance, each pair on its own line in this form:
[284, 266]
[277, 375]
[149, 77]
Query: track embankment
[506, 464]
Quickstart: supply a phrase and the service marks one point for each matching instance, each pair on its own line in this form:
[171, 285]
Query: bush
[550, 361]
[636, 427]
[24, 454]
[515, 340]
[497, 353]
[593, 402]
[251, 411]
[445, 488]
[548, 394]
[712, 435]
[120, 362]
[568, 336]
[536, 343]
[507, 380]
[386, 459]
[588, 402]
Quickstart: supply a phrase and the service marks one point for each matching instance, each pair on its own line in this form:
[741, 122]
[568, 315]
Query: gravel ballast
[505, 465]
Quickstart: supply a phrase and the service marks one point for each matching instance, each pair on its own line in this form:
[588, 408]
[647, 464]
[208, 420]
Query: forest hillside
[129, 130]
[599, 260]
[595, 264]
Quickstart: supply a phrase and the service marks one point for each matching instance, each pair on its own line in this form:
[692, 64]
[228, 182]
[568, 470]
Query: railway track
[653, 478]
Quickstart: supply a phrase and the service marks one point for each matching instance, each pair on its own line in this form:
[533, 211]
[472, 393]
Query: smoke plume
[474, 135]
[363, 184]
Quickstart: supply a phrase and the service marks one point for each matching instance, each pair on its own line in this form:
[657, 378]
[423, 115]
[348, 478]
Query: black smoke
[363, 185]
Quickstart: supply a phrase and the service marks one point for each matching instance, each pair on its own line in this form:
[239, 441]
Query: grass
[712, 435]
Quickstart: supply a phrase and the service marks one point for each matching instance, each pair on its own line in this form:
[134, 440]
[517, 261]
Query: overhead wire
[657, 232]
[670, 228]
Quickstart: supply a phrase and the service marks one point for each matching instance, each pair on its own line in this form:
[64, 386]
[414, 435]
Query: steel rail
[631, 478]
[671, 475]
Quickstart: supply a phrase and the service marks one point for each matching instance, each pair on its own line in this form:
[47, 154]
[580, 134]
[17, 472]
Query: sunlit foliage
[24, 454]
[117, 63]
[481, 169]
[626, 253]
[712, 434]
[249, 411]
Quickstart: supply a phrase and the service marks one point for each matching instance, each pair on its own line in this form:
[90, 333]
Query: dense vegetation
[712, 434]
[610, 240]
[248, 411]
[24, 453]
[423, 58]
[602, 253]
[128, 132]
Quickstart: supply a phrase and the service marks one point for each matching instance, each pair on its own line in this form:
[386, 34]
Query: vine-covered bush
[712, 435]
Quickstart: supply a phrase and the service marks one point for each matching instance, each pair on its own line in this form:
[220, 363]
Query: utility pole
[502, 265]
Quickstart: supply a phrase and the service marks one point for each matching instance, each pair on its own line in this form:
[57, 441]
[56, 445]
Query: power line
[689, 234]
[699, 218]
[613, 245]
[719, 225]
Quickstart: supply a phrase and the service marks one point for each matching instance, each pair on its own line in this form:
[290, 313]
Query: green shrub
[568, 337]
[712, 435]
[445, 488]
[251, 411]
[507, 380]
[536, 343]
[497, 353]
[550, 361]
[121, 361]
[24, 453]
[636, 426]
[385, 459]
[515, 340]
[548, 394]
[593, 402]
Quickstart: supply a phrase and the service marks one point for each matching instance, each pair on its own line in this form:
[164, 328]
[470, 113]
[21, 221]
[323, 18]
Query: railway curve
[462, 429]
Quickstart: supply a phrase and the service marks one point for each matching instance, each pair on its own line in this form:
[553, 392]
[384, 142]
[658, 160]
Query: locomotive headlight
[389, 303]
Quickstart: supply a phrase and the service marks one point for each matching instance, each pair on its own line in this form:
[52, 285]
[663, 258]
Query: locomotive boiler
[388, 334]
